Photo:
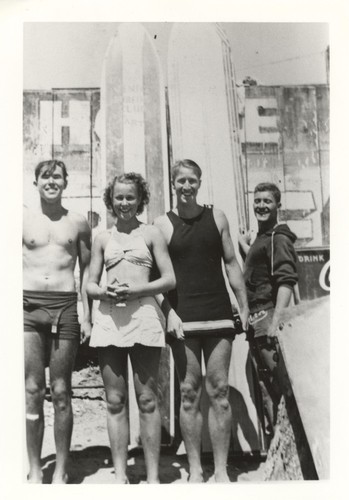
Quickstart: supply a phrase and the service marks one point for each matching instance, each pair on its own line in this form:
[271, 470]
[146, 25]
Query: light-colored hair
[186, 164]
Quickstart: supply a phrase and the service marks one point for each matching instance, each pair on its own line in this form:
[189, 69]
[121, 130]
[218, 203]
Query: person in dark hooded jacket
[270, 275]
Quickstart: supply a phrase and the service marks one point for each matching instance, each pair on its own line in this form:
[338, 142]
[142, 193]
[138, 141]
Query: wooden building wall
[285, 139]
[61, 124]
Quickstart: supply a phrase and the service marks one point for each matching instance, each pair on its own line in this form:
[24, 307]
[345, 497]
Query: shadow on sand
[91, 460]
[83, 463]
[96, 461]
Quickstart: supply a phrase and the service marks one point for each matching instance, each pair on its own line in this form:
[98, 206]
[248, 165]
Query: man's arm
[284, 276]
[244, 239]
[282, 300]
[84, 256]
[174, 325]
[232, 267]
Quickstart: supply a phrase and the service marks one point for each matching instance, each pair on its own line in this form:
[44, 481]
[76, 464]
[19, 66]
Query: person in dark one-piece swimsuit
[199, 314]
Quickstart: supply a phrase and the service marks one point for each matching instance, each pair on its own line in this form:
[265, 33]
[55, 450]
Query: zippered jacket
[270, 263]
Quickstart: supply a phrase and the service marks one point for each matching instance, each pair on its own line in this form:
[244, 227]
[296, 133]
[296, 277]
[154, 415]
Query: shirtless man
[53, 240]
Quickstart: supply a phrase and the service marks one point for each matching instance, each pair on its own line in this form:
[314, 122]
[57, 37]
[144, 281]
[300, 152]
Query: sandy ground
[90, 452]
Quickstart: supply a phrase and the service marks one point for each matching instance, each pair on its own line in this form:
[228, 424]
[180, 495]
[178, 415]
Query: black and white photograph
[174, 318]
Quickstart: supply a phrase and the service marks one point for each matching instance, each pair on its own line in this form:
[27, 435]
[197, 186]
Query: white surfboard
[305, 346]
[132, 127]
[203, 114]
[133, 114]
[204, 128]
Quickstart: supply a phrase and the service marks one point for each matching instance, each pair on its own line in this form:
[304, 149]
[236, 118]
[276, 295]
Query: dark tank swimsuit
[201, 298]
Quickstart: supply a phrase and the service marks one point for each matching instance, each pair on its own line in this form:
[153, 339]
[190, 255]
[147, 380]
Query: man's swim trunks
[53, 313]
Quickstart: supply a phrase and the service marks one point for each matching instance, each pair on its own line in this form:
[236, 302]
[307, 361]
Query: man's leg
[265, 358]
[34, 356]
[145, 364]
[267, 403]
[187, 357]
[62, 358]
[113, 363]
[217, 352]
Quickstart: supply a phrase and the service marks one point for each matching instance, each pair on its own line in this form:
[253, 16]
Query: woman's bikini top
[129, 247]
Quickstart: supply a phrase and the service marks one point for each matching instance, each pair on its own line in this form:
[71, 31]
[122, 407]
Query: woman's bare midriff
[126, 272]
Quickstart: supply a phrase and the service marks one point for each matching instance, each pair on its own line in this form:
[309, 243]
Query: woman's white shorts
[141, 321]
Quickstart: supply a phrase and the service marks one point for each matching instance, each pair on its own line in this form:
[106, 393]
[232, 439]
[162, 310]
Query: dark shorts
[263, 348]
[259, 323]
[52, 313]
[224, 333]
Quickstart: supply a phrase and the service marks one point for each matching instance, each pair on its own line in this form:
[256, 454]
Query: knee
[60, 394]
[35, 393]
[147, 402]
[116, 402]
[218, 393]
[190, 396]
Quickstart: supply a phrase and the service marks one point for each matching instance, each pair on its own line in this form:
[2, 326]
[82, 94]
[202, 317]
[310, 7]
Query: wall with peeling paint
[62, 124]
[285, 139]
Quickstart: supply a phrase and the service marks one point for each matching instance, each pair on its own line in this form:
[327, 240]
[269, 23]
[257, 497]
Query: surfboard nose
[133, 114]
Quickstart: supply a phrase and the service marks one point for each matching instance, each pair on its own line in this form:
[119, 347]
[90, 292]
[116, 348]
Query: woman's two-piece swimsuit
[141, 320]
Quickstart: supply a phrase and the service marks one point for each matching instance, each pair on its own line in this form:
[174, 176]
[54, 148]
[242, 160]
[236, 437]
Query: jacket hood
[282, 229]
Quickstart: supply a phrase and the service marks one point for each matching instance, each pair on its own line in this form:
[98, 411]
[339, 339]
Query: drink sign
[313, 272]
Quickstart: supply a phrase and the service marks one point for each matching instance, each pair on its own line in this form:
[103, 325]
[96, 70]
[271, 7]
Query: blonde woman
[129, 321]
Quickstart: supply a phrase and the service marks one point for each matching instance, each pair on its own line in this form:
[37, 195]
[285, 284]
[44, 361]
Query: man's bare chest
[39, 231]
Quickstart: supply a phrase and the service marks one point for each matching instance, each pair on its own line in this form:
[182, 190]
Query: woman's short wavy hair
[128, 178]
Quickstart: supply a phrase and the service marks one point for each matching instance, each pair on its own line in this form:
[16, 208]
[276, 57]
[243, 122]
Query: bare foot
[221, 477]
[60, 479]
[196, 477]
[121, 479]
[155, 480]
[35, 477]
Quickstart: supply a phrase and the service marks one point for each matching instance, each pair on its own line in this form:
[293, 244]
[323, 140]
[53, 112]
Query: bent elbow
[90, 288]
